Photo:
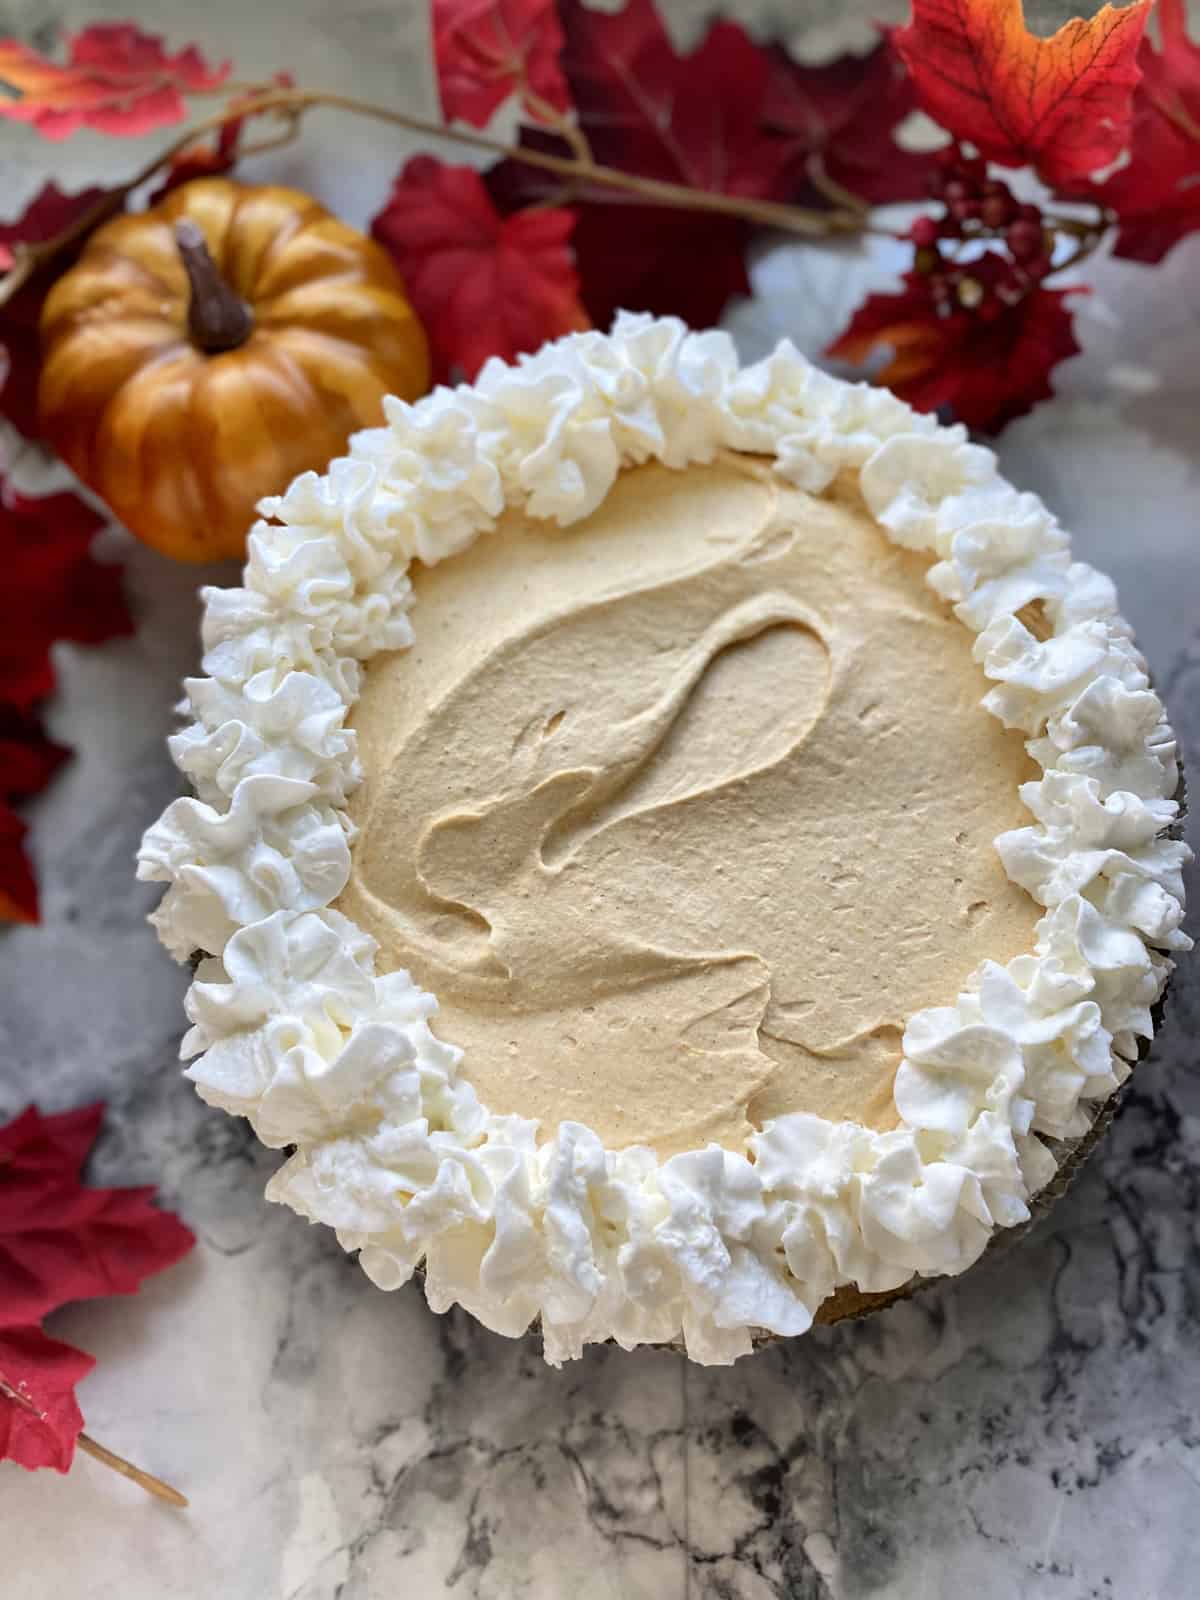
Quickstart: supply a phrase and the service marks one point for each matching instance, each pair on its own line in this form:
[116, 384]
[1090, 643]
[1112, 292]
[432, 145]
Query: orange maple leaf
[1060, 105]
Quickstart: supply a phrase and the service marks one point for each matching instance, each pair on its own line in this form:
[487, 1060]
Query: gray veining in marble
[1028, 1430]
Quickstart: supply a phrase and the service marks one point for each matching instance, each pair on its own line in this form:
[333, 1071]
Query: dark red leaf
[696, 120]
[116, 79]
[1157, 194]
[18, 887]
[28, 760]
[49, 213]
[841, 119]
[40, 1418]
[53, 589]
[61, 1241]
[1060, 105]
[486, 50]
[482, 284]
[987, 364]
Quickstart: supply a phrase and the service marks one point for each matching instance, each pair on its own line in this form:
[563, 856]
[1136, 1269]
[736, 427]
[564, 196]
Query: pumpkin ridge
[284, 236]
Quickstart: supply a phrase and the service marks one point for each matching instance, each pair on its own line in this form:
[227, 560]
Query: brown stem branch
[1087, 234]
[555, 122]
[31, 258]
[144, 1480]
[294, 103]
[830, 188]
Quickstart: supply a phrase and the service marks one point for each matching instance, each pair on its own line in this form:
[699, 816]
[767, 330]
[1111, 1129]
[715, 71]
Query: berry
[996, 205]
[1029, 213]
[1025, 239]
[956, 192]
[971, 293]
[924, 232]
[965, 210]
[995, 210]
[1038, 268]
[926, 259]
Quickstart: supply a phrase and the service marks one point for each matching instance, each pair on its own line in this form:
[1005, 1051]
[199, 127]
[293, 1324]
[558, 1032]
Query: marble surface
[1026, 1431]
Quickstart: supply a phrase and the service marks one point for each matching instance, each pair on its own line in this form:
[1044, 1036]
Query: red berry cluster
[984, 208]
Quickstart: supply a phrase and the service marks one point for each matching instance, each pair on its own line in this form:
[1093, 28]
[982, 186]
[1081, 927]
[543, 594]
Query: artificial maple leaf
[482, 284]
[53, 589]
[486, 50]
[987, 365]
[40, 1418]
[61, 1241]
[116, 79]
[1060, 105]
[28, 760]
[48, 213]
[18, 887]
[695, 120]
[841, 120]
[1157, 194]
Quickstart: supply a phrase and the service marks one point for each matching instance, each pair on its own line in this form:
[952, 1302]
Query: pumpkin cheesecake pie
[673, 842]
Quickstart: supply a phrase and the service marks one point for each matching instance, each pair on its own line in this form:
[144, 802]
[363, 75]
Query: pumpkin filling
[681, 811]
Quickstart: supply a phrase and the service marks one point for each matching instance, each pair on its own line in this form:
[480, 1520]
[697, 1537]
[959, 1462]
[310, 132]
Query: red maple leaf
[1060, 105]
[40, 1418]
[486, 50]
[695, 120]
[987, 363]
[61, 1241]
[115, 79]
[53, 589]
[482, 284]
[18, 886]
[841, 121]
[48, 213]
[1157, 194]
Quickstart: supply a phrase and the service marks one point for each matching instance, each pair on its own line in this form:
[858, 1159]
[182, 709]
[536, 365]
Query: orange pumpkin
[200, 355]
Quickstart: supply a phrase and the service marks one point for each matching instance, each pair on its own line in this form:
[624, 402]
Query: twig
[144, 1480]
[30, 258]
[819, 177]
[1087, 234]
[295, 103]
[554, 122]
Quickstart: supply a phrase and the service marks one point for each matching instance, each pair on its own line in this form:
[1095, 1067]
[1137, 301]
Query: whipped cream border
[293, 1028]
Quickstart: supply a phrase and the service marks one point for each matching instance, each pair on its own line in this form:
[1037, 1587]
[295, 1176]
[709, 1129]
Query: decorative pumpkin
[199, 355]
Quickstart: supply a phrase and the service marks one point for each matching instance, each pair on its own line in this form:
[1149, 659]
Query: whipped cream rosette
[676, 846]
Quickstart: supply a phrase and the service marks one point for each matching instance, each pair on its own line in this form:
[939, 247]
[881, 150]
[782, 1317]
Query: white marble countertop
[1026, 1431]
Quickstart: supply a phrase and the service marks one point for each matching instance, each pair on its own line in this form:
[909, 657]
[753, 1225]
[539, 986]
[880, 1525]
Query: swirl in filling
[683, 810]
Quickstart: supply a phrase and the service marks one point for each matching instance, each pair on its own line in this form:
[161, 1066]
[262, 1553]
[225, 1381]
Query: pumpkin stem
[218, 319]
